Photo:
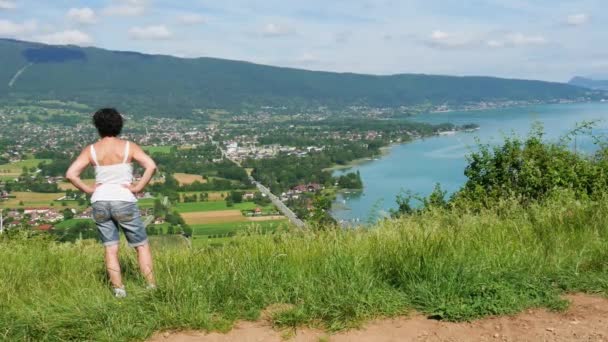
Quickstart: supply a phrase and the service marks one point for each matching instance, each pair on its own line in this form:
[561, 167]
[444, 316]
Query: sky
[550, 40]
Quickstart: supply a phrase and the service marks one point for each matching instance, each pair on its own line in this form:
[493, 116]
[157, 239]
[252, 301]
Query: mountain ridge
[590, 83]
[160, 84]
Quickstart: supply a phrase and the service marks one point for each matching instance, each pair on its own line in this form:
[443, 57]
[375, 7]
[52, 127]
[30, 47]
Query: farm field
[157, 149]
[228, 228]
[15, 169]
[212, 206]
[186, 178]
[71, 223]
[207, 217]
[68, 186]
[35, 199]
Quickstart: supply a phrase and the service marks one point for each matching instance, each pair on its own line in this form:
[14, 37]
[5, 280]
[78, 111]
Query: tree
[68, 214]
[236, 196]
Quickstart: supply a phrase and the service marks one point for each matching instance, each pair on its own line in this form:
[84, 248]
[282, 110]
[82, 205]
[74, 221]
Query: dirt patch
[266, 218]
[69, 186]
[187, 179]
[586, 320]
[220, 216]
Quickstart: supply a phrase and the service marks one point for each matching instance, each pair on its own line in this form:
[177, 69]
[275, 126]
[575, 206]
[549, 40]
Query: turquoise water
[419, 165]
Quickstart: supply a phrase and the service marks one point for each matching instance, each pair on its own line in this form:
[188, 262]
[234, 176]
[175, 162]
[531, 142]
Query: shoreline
[384, 151]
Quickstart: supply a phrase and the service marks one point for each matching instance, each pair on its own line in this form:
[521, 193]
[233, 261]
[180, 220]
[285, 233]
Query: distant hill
[153, 84]
[589, 83]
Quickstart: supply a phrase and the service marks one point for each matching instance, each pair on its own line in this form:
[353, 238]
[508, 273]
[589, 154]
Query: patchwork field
[213, 195]
[186, 178]
[212, 206]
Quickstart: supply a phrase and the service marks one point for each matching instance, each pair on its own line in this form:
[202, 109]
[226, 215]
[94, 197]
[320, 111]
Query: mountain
[589, 83]
[154, 84]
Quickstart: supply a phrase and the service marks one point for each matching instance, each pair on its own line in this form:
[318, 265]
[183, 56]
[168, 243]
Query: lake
[417, 166]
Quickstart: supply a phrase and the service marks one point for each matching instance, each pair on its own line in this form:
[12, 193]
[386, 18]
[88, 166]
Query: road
[264, 190]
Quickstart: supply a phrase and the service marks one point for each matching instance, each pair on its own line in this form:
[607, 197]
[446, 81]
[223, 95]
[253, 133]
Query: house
[258, 211]
[44, 228]
[314, 187]
[40, 211]
[249, 196]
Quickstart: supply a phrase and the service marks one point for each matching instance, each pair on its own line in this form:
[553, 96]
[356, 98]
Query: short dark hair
[108, 122]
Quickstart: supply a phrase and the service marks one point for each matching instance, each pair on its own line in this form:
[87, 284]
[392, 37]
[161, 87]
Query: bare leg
[144, 257]
[113, 266]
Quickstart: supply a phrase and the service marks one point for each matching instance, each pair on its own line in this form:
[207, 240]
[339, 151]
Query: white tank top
[111, 180]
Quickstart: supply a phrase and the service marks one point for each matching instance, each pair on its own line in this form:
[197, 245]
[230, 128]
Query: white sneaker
[120, 292]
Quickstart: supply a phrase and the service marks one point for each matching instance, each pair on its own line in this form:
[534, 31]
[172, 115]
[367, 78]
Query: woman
[113, 200]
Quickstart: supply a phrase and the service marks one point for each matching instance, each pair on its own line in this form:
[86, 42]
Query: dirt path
[586, 320]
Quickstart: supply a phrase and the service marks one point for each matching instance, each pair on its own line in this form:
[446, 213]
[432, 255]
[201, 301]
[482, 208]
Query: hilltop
[589, 83]
[170, 86]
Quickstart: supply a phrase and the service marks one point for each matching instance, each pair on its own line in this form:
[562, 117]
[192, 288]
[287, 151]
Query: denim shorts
[109, 215]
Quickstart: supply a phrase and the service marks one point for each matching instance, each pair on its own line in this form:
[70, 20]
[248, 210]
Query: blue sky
[542, 39]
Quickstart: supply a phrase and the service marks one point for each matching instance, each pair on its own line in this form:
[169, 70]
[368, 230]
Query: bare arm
[147, 163]
[77, 167]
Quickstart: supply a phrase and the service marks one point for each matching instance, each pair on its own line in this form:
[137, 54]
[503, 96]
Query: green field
[157, 149]
[146, 203]
[71, 223]
[228, 228]
[212, 206]
[16, 168]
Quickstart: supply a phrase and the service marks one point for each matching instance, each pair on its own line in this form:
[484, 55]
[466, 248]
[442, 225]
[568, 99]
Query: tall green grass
[448, 265]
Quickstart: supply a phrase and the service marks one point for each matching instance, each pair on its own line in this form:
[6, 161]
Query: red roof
[44, 227]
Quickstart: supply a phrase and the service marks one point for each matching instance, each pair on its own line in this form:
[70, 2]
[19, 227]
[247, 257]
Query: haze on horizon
[546, 39]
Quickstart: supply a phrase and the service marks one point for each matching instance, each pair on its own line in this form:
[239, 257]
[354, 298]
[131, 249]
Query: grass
[230, 228]
[15, 169]
[71, 223]
[451, 266]
[157, 149]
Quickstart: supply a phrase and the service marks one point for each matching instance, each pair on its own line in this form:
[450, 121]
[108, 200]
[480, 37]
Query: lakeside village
[35, 194]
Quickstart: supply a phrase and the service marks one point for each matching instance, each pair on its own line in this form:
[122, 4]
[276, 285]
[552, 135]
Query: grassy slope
[226, 228]
[455, 267]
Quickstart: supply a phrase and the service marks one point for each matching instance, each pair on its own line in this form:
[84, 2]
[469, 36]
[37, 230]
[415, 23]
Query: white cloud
[127, 8]
[520, 39]
[515, 40]
[191, 19]
[442, 39]
[276, 30]
[71, 37]
[578, 19]
[448, 40]
[12, 29]
[155, 32]
[7, 5]
[439, 35]
[82, 15]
